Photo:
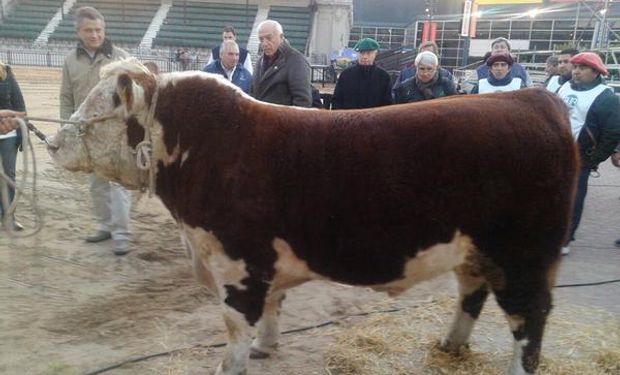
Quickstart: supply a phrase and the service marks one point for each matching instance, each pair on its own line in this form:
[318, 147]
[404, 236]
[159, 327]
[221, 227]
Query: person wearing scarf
[594, 113]
[427, 83]
[499, 79]
[363, 85]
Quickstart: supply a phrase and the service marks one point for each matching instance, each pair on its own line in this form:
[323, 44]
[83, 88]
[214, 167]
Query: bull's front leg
[244, 302]
[268, 332]
[238, 349]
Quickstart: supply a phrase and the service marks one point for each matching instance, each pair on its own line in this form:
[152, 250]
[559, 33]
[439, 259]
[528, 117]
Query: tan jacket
[80, 74]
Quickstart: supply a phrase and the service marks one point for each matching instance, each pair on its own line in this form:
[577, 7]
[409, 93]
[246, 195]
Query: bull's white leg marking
[460, 330]
[201, 271]
[463, 322]
[290, 271]
[268, 327]
[238, 349]
[209, 251]
[429, 263]
[516, 365]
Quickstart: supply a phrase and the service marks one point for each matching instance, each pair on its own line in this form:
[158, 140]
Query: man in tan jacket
[79, 75]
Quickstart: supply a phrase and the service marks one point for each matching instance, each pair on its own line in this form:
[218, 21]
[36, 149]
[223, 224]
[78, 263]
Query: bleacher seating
[296, 24]
[199, 24]
[28, 19]
[126, 21]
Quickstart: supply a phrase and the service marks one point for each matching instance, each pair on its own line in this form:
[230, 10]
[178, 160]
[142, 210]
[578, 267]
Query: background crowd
[282, 75]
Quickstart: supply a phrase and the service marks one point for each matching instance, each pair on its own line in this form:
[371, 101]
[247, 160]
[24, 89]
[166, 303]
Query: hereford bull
[268, 197]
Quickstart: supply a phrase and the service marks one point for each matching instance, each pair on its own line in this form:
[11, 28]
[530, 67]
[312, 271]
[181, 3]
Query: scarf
[427, 88]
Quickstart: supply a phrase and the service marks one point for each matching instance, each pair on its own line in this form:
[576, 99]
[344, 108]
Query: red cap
[590, 59]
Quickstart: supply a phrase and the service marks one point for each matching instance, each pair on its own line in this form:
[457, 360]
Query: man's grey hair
[87, 13]
[228, 44]
[552, 60]
[426, 58]
[500, 40]
[272, 24]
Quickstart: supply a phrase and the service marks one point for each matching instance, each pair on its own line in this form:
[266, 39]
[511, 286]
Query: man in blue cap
[363, 85]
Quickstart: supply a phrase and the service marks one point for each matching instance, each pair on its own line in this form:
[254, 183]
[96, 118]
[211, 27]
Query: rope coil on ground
[5, 181]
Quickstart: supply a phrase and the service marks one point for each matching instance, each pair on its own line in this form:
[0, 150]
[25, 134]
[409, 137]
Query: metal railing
[320, 73]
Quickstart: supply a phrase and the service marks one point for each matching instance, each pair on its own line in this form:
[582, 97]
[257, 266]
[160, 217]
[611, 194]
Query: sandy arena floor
[67, 307]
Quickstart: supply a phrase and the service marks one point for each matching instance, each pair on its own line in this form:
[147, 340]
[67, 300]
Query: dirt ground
[67, 307]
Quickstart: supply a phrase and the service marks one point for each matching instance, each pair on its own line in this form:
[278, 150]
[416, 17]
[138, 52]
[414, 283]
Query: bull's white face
[101, 147]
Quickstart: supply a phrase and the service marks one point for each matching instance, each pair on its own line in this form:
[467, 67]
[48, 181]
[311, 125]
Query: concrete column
[331, 28]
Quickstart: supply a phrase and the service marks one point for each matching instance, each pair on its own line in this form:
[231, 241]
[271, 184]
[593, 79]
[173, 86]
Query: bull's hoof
[257, 354]
[221, 370]
[451, 347]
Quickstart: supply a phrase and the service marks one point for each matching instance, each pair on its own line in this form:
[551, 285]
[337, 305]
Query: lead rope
[144, 149]
[9, 209]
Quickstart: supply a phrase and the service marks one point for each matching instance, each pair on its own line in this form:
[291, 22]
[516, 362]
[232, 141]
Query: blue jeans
[8, 151]
[580, 197]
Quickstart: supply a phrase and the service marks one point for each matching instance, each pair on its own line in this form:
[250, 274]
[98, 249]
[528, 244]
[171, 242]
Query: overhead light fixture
[533, 12]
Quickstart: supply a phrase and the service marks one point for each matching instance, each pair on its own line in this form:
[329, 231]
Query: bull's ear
[124, 89]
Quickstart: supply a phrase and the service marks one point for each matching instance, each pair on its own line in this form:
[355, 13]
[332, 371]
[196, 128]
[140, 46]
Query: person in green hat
[363, 85]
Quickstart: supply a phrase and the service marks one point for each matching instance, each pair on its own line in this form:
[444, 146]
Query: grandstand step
[147, 40]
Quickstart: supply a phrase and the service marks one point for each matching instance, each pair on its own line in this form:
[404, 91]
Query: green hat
[367, 44]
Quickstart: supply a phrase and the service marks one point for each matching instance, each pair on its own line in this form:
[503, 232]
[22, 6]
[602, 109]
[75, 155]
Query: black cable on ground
[219, 345]
[588, 284]
[297, 330]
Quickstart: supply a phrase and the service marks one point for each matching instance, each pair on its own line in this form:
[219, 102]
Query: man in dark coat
[282, 74]
[363, 85]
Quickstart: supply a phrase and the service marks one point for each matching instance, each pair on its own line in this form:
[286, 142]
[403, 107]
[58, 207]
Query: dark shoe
[17, 226]
[99, 237]
[121, 247]
[617, 242]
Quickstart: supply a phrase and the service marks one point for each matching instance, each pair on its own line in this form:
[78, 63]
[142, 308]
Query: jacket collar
[565, 78]
[105, 49]
[587, 86]
[500, 82]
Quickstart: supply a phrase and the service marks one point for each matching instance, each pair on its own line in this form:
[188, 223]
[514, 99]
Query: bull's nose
[51, 146]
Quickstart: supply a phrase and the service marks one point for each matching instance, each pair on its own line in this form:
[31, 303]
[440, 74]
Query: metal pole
[576, 24]
[604, 29]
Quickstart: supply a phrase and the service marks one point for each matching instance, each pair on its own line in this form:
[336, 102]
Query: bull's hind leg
[268, 328]
[473, 292]
[527, 304]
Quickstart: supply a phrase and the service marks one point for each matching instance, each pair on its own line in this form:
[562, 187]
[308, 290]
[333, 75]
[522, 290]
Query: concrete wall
[331, 27]
[5, 7]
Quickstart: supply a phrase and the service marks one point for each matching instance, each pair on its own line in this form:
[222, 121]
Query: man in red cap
[499, 78]
[595, 122]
